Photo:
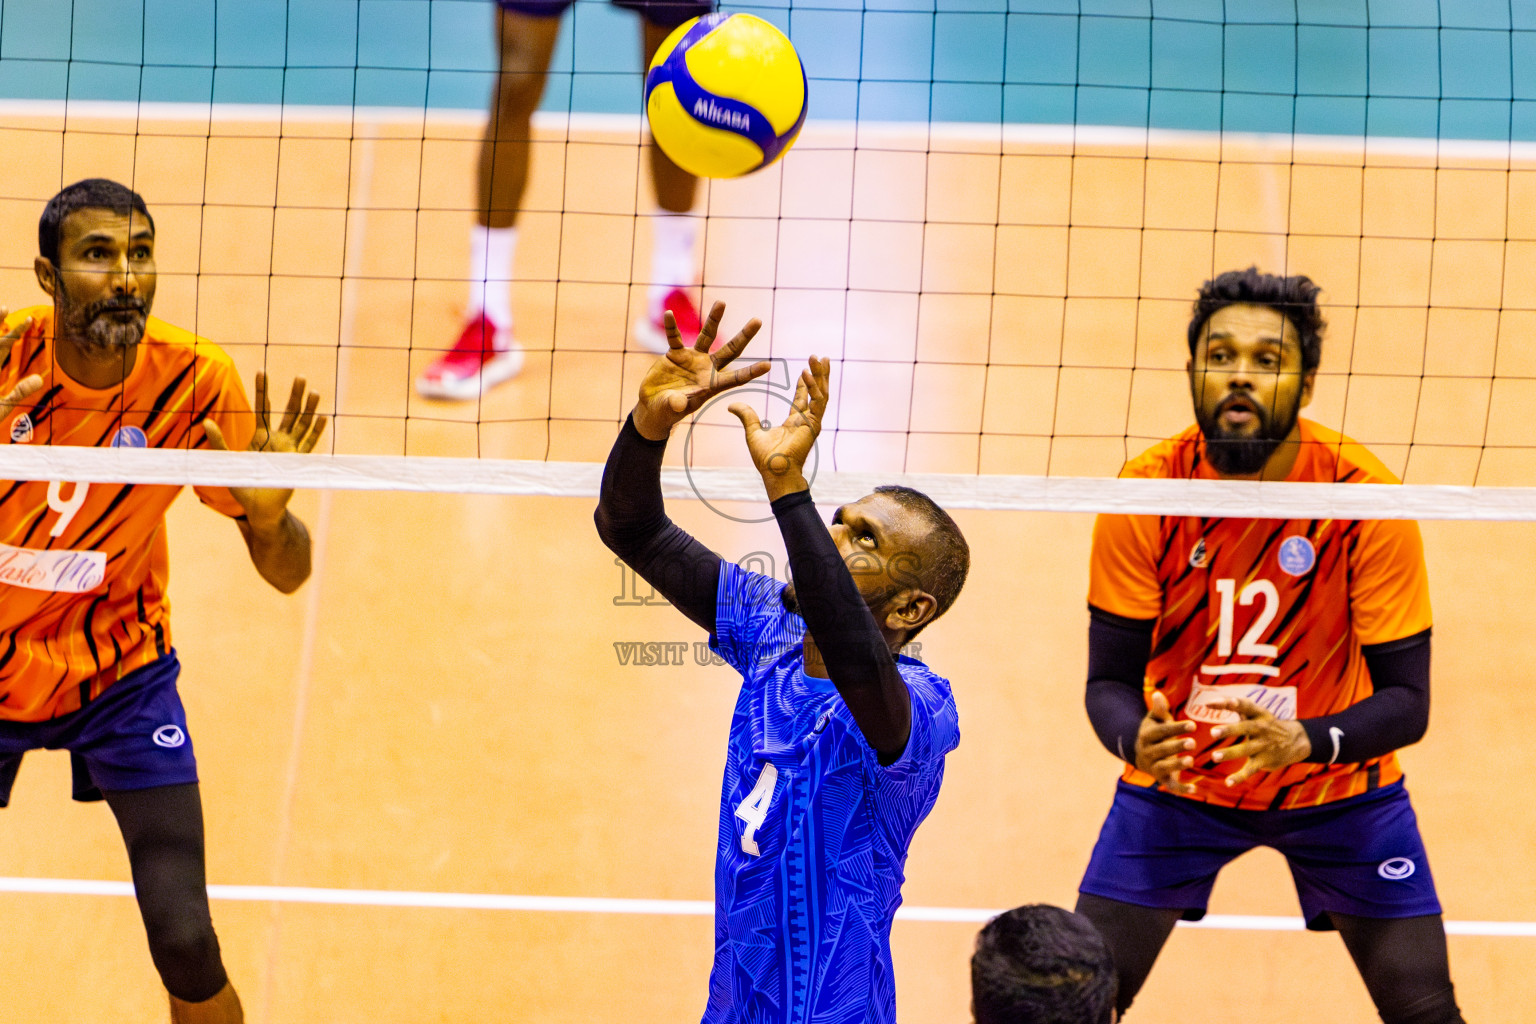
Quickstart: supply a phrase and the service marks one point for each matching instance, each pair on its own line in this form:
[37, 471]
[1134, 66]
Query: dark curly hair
[90, 194]
[1040, 964]
[1294, 296]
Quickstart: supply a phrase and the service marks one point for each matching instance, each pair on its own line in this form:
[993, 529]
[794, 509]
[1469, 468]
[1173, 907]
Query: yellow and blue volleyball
[725, 95]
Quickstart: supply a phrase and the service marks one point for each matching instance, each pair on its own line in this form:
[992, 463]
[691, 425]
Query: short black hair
[946, 559]
[1295, 296]
[1040, 964]
[90, 194]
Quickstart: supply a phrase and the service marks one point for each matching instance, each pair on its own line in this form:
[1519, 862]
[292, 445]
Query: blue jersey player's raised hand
[865, 671]
[779, 453]
[837, 744]
[686, 376]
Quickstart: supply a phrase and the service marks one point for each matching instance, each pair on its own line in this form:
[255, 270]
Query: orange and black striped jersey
[83, 567]
[1273, 610]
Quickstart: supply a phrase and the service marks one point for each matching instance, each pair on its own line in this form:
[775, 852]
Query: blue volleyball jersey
[813, 830]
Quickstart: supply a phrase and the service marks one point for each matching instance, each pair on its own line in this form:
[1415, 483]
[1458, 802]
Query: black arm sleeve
[1393, 717]
[858, 661]
[632, 521]
[1118, 650]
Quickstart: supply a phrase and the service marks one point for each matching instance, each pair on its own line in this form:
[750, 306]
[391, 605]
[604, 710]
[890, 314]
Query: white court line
[607, 905]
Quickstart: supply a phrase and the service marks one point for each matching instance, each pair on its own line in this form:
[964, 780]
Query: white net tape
[1216, 498]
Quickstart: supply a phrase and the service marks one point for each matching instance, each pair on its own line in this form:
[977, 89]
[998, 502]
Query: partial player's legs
[485, 353]
[1135, 935]
[1156, 860]
[1405, 967]
[163, 830]
[527, 42]
[1360, 866]
[674, 230]
[676, 189]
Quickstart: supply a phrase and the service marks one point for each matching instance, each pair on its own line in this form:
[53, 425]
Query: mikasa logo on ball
[711, 111]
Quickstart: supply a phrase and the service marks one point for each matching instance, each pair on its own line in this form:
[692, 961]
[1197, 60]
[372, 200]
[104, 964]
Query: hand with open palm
[299, 431]
[27, 386]
[681, 381]
[779, 453]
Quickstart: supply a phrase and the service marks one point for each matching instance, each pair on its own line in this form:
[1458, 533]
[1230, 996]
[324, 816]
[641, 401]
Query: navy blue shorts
[666, 13]
[1362, 856]
[134, 736]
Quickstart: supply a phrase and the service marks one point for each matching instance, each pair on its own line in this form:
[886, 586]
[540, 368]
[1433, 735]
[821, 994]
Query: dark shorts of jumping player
[1362, 856]
[133, 736]
[666, 13]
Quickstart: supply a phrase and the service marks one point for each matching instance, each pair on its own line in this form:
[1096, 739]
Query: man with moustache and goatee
[1256, 675]
[86, 662]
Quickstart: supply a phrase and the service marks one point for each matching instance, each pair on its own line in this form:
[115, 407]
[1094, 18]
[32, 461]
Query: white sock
[490, 273]
[672, 264]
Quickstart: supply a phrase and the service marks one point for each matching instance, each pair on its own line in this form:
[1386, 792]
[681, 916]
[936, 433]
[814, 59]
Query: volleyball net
[994, 222]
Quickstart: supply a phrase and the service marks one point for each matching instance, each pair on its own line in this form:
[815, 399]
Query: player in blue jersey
[837, 744]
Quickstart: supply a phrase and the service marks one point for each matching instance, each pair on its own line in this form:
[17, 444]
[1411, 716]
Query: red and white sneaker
[483, 356]
[651, 331]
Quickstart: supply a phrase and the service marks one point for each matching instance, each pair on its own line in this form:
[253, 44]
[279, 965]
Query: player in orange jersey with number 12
[1257, 675]
[86, 662]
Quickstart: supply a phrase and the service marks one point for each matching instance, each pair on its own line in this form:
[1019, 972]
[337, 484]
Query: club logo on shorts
[1396, 869]
[1297, 556]
[21, 429]
[129, 437]
[172, 736]
[1199, 558]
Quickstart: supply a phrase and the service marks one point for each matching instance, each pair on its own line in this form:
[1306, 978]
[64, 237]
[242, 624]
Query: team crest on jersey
[1297, 556]
[129, 437]
[1199, 558]
[21, 429]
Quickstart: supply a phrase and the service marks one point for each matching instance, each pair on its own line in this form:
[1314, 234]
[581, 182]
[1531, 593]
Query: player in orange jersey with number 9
[1257, 675]
[86, 662]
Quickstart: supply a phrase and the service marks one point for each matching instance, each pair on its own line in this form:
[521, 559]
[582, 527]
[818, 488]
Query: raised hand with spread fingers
[686, 376]
[277, 540]
[779, 453]
[27, 386]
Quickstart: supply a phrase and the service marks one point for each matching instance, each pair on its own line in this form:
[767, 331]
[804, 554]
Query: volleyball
[725, 95]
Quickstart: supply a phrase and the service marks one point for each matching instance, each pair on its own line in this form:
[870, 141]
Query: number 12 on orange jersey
[1250, 645]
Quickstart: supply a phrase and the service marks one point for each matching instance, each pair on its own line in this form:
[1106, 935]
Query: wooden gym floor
[441, 708]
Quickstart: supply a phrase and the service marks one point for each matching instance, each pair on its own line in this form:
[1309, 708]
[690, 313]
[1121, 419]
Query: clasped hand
[1264, 743]
[1268, 743]
[1163, 745]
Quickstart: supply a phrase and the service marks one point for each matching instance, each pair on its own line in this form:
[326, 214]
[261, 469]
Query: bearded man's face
[105, 279]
